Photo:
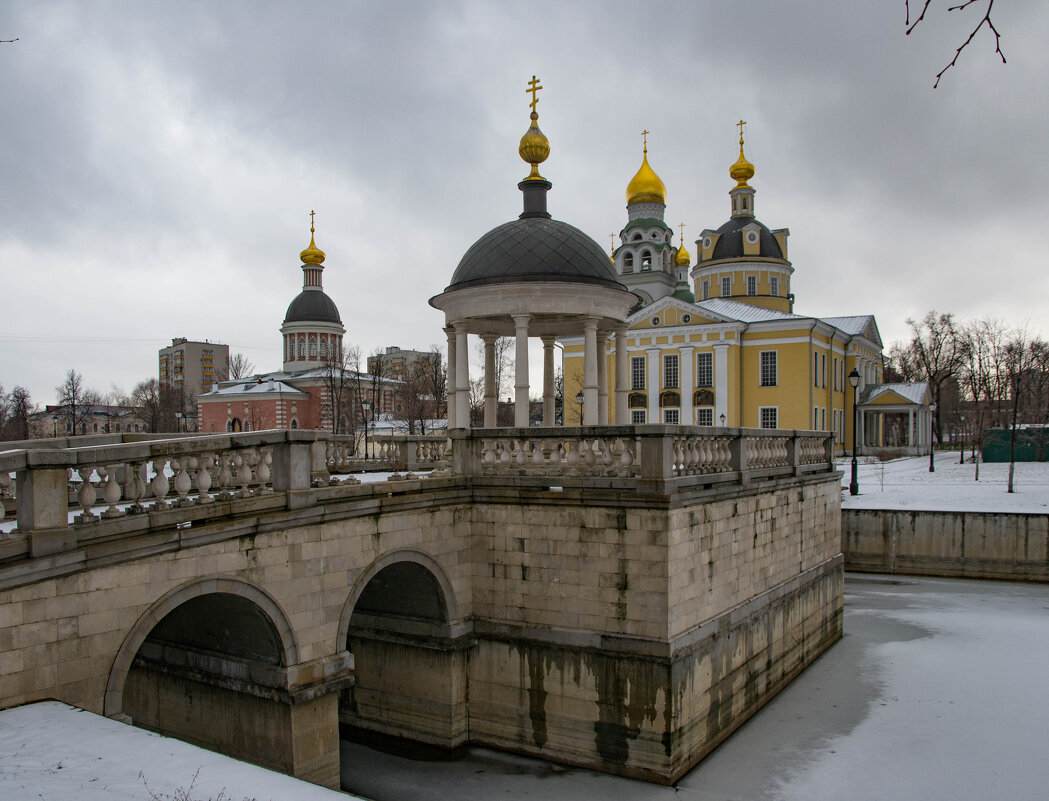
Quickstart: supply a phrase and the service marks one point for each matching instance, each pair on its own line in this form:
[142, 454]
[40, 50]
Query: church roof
[312, 305]
[534, 249]
[745, 312]
[914, 392]
[730, 241]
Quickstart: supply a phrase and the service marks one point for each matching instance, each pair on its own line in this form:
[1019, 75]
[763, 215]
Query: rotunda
[532, 277]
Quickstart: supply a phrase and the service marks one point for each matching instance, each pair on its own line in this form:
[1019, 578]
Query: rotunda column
[521, 371]
[590, 398]
[548, 380]
[462, 377]
[602, 378]
[491, 401]
[622, 380]
[451, 388]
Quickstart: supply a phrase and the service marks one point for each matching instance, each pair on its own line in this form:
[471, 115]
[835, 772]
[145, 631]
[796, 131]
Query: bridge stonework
[616, 624]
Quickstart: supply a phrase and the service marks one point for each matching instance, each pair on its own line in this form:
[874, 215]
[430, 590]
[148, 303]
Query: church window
[637, 417]
[823, 370]
[704, 369]
[835, 374]
[774, 285]
[635, 238]
[726, 286]
[768, 368]
[646, 260]
[752, 285]
[706, 290]
[815, 418]
[823, 419]
[313, 347]
[705, 417]
[628, 262]
[768, 416]
[637, 372]
[672, 416]
[302, 347]
[670, 370]
[294, 423]
[744, 203]
[324, 347]
[815, 369]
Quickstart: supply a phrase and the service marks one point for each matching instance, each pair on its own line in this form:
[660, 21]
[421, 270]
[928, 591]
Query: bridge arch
[423, 560]
[172, 600]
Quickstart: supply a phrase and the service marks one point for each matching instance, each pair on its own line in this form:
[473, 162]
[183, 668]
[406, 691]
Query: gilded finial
[645, 186]
[612, 247]
[644, 140]
[312, 254]
[681, 227]
[534, 147]
[742, 171]
[683, 257]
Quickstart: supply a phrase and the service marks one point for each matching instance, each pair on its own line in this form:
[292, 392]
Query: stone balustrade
[177, 481]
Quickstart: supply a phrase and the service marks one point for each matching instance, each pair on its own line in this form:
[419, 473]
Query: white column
[687, 360]
[721, 383]
[622, 377]
[910, 427]
[462, 377]
[491, 401]
[602, 378]
[590, 372]
[861, 434]
[450, 385]
[548, 380]
[521, 371]
[653, 385]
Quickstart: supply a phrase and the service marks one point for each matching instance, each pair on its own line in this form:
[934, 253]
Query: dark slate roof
[730, 243]
[534, 249]
[312, 305]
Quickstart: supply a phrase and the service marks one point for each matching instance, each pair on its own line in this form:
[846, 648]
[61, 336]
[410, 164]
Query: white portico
[534, 277]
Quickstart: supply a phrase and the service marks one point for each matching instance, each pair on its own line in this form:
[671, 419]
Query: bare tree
[20, 407]
[1019, 362]
[77, 400]
[934, 354]
[337, 406]
[240, 366]
[146, 398]
[961, 6]
[5, 411]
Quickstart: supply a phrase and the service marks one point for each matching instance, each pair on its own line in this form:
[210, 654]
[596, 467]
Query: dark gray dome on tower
[312, 305]
[534, 248]
[730, 241]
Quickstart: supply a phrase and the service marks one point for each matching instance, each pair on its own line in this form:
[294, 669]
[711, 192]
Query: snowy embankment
[56, 752]
[907, 484]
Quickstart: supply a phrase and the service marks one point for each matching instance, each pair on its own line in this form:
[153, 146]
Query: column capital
[522, 319]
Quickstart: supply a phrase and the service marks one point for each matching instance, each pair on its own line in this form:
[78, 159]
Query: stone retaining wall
[958, 544]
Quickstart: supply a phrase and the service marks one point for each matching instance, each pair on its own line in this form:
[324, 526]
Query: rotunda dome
[312, 305]
[730, 243]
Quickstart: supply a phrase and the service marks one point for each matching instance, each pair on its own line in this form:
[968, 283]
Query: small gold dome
[534, 148]
[312, 254]
[683, 257]
[742, 171]
[646, 186]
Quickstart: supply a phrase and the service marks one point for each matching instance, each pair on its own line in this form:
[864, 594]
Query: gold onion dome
[683, 257]
[646, 186]
[312, 254]
[535, 148]
[742, 171]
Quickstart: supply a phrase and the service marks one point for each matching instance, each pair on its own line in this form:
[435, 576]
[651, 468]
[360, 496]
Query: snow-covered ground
[908, 484]
[54, 752]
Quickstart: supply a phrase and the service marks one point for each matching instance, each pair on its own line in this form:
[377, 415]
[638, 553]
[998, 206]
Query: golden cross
[612, 243]
[740, 125]
[311, 220]
[644, 135]
[682, 227]
[533, 87]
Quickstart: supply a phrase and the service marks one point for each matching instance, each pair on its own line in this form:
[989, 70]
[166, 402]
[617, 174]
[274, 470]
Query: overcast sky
[159, 160]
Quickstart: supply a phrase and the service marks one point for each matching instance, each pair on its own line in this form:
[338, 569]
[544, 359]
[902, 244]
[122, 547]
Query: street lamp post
[579, 400]
[854, 379]
[961, 437]
[366, 407]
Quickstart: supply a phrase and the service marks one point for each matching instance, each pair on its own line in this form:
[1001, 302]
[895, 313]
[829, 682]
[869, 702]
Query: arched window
[628, 262]
[313, 347]
[302, 347]
[636, 238]
[294, 423]
[646, 260]
[324, 347]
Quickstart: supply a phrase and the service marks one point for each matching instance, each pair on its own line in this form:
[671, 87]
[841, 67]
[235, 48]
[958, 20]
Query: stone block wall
[961, 544]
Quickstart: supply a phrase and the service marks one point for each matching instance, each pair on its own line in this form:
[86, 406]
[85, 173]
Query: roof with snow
[915, 393]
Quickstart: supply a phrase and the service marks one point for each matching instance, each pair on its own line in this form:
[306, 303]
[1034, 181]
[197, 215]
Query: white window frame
[768, 373]
[767, 412]
[637, 372]
[637, 416]
[706, 290]
[705, 416]
[752, 285]
[705, 370]
[671, 371]
[672, 416]
[774, 285]
[726, 286]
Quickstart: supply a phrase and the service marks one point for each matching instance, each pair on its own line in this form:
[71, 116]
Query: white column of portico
[861, 434]
[653, 386]
[602, 378]
[686, 359]
[910, 427]
[491, 401]
[622, 377]
[721, 383]
[450, 384]
[590, 399]
[521, 371]
[548, 380]
[462, 377]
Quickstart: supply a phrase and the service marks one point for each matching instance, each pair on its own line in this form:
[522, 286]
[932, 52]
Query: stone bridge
[615, 597]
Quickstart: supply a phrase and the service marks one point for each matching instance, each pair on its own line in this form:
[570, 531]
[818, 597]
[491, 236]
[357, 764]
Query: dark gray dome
[534, 249]
[730, 243]
[310, 306]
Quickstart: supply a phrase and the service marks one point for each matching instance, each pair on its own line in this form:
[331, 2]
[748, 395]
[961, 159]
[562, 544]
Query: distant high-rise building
[189, 368]
[395, 361]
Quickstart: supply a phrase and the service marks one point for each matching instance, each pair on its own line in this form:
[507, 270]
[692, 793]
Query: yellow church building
[718, 342]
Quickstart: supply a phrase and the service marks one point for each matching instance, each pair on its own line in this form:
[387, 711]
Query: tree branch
[985, 20]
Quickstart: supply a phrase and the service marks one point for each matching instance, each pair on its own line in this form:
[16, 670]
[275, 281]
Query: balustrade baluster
[203, 482]
[242, 477]
[182, 481]
[264, 473]
[111, 493]
[86, 496]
